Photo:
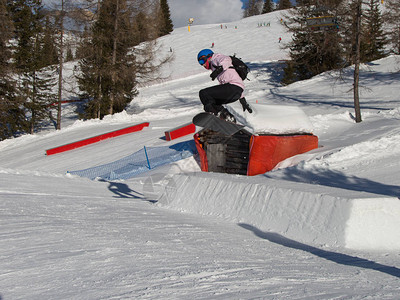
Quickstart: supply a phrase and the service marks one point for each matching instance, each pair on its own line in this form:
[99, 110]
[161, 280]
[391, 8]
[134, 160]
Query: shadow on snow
[122, 190]
[338, 258]
[339, 180]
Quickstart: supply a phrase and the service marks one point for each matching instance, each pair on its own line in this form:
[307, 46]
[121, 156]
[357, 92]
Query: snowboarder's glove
[218, 70]
[245, 105]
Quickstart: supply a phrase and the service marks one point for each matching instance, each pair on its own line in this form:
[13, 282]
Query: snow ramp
[309, 214]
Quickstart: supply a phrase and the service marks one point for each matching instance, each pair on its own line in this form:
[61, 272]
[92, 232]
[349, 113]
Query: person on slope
[230, 88]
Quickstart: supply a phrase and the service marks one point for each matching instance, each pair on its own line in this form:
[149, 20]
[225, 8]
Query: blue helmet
[203, 55]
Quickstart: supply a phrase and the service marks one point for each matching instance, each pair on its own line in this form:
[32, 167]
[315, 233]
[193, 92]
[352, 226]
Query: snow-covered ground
[325, 225]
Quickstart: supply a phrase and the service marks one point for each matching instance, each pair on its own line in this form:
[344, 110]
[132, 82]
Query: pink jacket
[228, 75]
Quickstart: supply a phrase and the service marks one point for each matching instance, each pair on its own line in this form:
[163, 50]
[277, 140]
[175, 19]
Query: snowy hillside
[323, 225]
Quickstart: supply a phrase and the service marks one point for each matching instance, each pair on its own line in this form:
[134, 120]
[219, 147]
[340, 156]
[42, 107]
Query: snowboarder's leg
[213, 97]
[207, 97]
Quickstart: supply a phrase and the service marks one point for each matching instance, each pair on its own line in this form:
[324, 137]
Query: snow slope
[323, 225]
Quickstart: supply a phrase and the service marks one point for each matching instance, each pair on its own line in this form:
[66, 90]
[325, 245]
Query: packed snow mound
[314, 215]
[272, 119]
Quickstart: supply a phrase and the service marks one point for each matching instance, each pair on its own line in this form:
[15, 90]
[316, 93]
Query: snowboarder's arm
[218, 70]
[219, 64]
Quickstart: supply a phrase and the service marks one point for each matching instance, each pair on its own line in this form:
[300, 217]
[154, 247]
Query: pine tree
[145, 32]
[347, 26]
[34, 85]
[69, 56]
[166, 25]
[141, 29]
[36, 88]
[82, 51]
[289, 73]
[252, 8]
[311, 51]
[392, 17]
[373, 40]
[108, 72]
[49, 52]
[284, 4]
[267, 7]
[350, 24]
[11, 115]
[59, 22]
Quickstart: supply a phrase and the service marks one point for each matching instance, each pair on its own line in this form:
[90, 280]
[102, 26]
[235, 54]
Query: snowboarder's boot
[225, 115]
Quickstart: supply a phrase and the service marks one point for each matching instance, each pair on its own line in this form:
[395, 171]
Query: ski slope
[323, 225]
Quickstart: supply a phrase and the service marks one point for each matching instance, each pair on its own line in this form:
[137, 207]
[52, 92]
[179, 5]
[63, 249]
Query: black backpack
[241, 68]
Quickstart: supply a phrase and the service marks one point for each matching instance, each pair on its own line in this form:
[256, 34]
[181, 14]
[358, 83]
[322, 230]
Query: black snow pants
[213, 97]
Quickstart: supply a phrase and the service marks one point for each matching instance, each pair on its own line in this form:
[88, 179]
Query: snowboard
[210, 121]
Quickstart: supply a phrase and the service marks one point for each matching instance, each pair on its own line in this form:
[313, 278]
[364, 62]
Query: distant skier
[230, 88]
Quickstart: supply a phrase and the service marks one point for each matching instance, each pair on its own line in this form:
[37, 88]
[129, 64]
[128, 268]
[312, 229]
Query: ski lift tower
[190, 22]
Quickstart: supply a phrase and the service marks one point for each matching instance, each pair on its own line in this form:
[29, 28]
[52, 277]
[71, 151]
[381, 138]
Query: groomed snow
[322, 225]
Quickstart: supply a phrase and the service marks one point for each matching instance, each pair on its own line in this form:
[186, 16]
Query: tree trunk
[60, 67]
[357, 63]
[398, 43]
[114, 58]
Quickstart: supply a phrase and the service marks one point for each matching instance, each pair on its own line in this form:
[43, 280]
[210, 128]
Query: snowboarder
[230, 88]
